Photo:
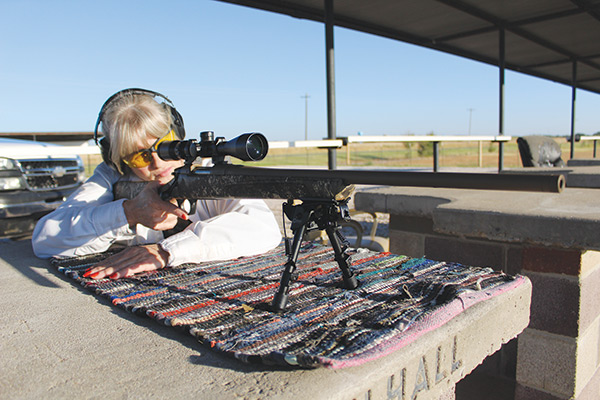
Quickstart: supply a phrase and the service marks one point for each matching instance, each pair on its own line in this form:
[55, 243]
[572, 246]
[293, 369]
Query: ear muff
[176, 125]
[104, 144]
[177, 122]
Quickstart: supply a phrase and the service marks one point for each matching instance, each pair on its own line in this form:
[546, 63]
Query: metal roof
[543, 38]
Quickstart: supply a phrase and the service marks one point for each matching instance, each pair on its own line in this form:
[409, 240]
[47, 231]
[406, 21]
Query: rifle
[316, 199]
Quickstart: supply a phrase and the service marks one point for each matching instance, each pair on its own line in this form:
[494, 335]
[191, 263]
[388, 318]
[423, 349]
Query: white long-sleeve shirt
[90, 221]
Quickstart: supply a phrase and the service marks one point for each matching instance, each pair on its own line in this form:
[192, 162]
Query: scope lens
[256, 147]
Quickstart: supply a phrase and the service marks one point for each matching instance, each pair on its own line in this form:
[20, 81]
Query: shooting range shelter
[556, 40]
[550, 39]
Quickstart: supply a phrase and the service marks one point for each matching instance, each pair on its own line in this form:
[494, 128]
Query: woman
[91, 220]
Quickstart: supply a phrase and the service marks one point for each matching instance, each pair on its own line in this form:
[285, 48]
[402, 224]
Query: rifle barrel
[486, 181]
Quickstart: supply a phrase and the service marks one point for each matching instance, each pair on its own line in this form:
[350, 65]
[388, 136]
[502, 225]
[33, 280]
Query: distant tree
[409, 146]
[426, 148]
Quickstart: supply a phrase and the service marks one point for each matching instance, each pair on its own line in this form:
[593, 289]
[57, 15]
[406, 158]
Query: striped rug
[225, 304]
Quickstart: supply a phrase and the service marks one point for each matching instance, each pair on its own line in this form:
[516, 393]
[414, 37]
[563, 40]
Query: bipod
[322, 214]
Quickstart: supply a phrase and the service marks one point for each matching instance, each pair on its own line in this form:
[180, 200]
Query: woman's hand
[148, 209]
[130, 261]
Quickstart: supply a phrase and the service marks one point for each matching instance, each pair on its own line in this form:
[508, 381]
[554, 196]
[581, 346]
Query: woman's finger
[128, 262]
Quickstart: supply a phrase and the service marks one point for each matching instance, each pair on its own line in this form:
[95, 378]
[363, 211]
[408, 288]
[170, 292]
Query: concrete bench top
[59, 341]
[568, 220]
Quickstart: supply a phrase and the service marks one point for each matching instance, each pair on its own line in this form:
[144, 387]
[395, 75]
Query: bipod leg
[350, 281]
[281, 297]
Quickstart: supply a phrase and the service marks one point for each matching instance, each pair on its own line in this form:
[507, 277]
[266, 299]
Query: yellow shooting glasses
[143, 158]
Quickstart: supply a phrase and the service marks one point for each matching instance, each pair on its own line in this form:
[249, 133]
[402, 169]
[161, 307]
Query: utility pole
[305, 97]
[470, 115]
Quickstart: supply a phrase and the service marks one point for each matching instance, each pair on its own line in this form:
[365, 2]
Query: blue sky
[233, 69]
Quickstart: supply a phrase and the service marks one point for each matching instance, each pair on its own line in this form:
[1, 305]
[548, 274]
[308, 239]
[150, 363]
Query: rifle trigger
[186, 205]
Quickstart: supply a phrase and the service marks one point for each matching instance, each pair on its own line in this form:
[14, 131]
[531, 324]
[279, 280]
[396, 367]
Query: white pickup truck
[35, 178]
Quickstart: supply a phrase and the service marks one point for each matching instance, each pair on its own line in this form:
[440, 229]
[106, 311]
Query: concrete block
[449, 395]
[555, 305]
[547, 362]
[590, 293]
[389, 200]
[552, 260]
[590, 261]
[514, 258]
[591, 391]
[469, 252]
[364, 201]
[559, 366]
[523, 392]
[412, 224]
[588, 357]
[406, 243]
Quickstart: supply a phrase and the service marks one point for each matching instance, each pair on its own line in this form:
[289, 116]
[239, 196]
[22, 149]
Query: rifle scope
[247, 147]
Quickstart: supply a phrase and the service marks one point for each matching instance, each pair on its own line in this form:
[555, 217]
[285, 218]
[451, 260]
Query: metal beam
[497, 22]
[573, 96]
[330, 58]
[589, 8]
[501, 70]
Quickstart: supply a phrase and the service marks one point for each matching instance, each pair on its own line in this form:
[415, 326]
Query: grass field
[451, 154]
[400, 155]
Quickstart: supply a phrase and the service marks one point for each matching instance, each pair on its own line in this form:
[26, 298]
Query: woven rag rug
[225, 304]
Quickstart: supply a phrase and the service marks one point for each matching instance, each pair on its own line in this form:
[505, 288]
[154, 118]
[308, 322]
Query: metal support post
[501, 62]
[573, 96]
[436, 156]
[331, 129]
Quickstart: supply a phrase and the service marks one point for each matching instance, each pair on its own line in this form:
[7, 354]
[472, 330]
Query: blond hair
[130, 119]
